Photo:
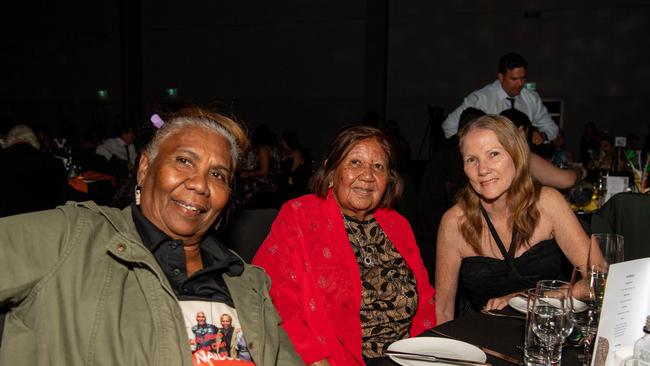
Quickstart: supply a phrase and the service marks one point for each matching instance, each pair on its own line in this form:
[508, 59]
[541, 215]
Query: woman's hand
[320, 363]
[498, 303]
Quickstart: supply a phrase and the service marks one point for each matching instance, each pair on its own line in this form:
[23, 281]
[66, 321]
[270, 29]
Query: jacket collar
[126, 244]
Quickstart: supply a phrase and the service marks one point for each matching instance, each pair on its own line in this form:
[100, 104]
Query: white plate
[520, 304]
[442, 347]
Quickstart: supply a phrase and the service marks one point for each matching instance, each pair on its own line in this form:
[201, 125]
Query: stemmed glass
[552, 316]
[587, 287]
[604, 250]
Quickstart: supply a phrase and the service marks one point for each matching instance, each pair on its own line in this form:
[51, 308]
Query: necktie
[512, 102]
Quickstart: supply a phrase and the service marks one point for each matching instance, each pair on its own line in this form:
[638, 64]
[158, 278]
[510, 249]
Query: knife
[433, 358]
[487, 351]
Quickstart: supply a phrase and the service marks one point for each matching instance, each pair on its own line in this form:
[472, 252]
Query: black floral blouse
[388, 297]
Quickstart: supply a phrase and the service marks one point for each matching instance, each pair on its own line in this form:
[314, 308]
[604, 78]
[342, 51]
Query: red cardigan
[316, 282]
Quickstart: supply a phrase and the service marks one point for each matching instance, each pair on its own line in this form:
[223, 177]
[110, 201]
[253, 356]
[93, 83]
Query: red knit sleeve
[280, 256]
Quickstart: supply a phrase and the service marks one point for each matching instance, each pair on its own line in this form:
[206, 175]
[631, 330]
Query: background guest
[347, 276]
[545, 172]
[32, 180]
[259, 183]
[295, 166]
[607, 158]
[506, 232]
[560, 156]
[120, 147]
[589, 143]
[507, 92]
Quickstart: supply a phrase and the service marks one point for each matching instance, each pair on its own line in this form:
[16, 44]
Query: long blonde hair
[522, 195]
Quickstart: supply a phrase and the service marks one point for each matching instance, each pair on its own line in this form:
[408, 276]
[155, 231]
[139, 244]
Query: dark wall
[301, 65]
[55, 57]
[287, 64]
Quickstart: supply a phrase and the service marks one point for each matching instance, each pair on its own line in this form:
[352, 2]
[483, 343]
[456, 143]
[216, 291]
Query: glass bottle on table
[642, 346]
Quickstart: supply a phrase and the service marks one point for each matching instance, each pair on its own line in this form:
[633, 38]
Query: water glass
[535, 351]
[552, 316]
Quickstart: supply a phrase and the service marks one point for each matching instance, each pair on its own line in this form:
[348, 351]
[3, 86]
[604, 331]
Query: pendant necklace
[366, 258]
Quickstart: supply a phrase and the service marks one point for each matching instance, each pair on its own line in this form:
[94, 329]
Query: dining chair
[627, 214]
[246, 231]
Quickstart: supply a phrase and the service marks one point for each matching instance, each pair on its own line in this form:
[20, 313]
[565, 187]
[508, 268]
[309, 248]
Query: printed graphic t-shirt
[214, 334]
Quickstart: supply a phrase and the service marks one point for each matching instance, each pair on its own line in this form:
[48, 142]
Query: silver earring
[138, 193]
[216, 227]
[330, 184]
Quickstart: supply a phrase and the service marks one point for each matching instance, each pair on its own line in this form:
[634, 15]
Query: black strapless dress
[482, 278]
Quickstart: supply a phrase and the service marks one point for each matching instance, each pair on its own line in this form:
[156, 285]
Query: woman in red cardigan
[347, 277]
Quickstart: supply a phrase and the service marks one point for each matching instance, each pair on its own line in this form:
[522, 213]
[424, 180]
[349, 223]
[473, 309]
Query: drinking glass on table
[552, 316]
[587, 285]
[535, 353]
[605, 249]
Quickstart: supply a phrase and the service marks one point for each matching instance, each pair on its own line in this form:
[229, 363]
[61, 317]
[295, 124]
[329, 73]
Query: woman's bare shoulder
[449, 233]
[550, 197]
[449, 222]
[453, 214]
[553, 205]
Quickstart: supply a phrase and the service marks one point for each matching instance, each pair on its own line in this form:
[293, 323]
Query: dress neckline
[533, 248]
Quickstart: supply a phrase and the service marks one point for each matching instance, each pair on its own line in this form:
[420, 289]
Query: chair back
[627, 214]
[246, 231]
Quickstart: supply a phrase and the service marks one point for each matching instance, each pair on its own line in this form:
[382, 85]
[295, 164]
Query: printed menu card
[625, 306]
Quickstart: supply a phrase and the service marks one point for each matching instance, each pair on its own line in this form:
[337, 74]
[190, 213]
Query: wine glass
[604, 250]
[587, 286]
[552, 316]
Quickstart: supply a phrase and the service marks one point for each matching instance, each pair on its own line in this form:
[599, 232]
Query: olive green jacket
[86, 291]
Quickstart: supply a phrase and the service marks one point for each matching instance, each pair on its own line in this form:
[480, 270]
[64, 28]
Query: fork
[489, 312]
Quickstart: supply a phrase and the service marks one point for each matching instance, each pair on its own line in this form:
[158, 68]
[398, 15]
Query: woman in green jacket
[91, 285]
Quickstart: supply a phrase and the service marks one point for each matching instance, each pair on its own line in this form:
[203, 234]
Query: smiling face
[226, 321]
[361, 178]
[200, 318]
[488, 166]
[186, 186]
[513, 80]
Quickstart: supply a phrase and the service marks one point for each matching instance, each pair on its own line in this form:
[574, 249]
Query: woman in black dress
[507, 231]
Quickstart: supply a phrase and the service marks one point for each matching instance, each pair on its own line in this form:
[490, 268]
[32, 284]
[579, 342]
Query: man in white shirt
[120, 147]
[506, 92]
